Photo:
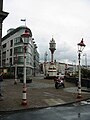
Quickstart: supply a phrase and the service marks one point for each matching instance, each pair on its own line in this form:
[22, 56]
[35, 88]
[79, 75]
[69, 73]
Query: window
[20, 59]
[26, 40]
[4, 45]
[10, 52]
[18, 49]
[11, 43]
[28, 59]
[10, 61]
[3, 62]
[17, 40]
[4, 55]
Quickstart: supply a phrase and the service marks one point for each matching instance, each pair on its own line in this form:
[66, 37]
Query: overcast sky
[68, 21]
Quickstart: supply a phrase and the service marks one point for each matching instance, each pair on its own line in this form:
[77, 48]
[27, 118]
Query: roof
[16, 30]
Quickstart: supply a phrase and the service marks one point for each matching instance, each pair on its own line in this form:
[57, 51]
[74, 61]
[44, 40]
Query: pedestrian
[1, 80]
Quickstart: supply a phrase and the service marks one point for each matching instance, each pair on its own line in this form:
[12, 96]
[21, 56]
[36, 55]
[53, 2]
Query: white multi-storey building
[13, 51]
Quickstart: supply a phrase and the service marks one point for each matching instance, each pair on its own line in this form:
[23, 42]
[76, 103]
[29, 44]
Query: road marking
[54, 101]
[48, 94]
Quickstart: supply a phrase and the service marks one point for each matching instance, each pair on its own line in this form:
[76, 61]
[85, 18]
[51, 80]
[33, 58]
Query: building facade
[61, 68]
[36, 61]
[3, 15]
[13, 52]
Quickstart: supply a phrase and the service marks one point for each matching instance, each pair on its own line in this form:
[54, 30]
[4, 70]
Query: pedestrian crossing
[54, 101]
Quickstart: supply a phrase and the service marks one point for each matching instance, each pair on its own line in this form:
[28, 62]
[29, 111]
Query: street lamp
[25, 38]
[81, 46]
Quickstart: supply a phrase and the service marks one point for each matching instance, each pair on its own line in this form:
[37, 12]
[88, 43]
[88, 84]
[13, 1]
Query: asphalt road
[74, 112]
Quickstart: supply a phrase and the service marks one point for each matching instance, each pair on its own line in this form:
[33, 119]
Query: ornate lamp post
[81, 46]
[25, 38]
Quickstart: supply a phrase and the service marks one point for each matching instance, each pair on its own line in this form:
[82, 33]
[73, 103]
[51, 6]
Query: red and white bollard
[79, 96]
[24, 99]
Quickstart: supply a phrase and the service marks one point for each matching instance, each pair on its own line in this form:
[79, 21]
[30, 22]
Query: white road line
[54, 101]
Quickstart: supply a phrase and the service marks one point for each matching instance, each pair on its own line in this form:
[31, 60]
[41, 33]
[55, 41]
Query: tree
[85, 73]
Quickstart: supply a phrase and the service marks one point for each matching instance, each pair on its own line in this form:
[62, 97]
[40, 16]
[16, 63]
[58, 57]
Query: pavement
[40, 93]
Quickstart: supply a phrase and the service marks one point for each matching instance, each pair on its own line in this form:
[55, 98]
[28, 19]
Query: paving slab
[40, 93]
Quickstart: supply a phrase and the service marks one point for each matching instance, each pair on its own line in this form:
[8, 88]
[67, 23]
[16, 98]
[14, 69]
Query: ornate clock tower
[52, 72]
